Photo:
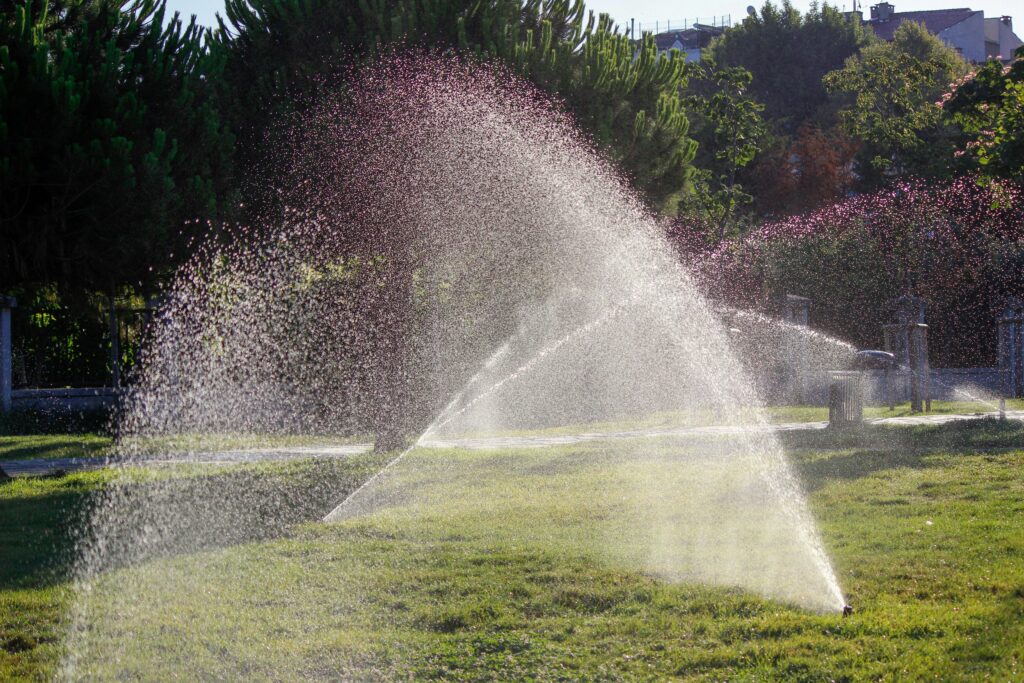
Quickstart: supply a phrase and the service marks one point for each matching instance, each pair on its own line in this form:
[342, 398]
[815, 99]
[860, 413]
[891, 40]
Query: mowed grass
[99, 445]
[798, 413]
[925, 527]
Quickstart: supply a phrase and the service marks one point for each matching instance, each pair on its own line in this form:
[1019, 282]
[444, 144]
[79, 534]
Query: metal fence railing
[54, 347]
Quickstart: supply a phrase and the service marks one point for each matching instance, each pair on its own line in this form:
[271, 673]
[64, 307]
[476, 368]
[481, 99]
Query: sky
[661, 14]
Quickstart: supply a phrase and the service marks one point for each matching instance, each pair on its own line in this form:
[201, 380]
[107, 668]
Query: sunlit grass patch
[927, 542]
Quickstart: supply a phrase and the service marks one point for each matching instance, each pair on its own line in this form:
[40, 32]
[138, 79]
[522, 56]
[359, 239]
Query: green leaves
[989, 106]
[105, 111]
[277, 59]
[788, 53]
[730, 130]
[888, 93]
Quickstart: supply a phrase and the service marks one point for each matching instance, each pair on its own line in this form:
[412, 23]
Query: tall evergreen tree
[280, 54]
[109, 141]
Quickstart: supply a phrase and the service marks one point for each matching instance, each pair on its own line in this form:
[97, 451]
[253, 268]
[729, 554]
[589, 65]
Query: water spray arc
[452, 412]
[339, 509]
[472, 222]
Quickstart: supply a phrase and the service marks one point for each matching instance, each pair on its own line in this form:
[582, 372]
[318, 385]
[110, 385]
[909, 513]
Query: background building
[967, 31]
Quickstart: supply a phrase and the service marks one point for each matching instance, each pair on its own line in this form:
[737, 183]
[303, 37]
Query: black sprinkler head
[847, 610]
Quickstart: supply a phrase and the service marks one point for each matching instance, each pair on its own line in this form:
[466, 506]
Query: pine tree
[109, 141]
[280, 54]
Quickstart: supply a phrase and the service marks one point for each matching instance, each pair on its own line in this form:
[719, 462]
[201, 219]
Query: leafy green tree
[989, 105]
[108, 142]
[729, 130]
[283, 54]
[788, 53]
[888, 92]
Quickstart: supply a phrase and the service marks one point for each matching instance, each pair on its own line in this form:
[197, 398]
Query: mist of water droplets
[448, 253]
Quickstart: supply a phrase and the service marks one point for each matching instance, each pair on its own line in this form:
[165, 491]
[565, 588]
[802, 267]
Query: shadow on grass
[875, 448]
[858, 464]
[49, 447]
[977, 435]
[37, 535]
[169, 512]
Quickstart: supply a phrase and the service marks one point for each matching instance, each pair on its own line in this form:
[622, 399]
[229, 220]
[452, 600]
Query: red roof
[936, 20]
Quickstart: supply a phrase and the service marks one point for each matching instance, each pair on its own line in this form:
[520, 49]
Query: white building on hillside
[967, 31]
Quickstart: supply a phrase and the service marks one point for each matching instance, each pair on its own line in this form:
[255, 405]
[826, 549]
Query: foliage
[21, 421]
[804, 163]
[729, 130]
[788, 53]
[888, 91]
[957, 245]
[108, 141]
[282, 55]
[990, 106]
[802, 172]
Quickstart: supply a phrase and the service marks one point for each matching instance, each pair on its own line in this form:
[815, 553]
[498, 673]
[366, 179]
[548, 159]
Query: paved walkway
[46, 467]
[50, 466]
[710, 430]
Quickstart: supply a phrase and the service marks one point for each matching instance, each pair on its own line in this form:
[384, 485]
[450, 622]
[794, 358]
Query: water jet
[468, 263]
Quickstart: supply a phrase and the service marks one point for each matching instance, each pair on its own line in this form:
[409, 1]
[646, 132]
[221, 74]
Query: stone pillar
[115, 347]
[796, 310]
[1011, 349]
[907, 340]
[6, 365]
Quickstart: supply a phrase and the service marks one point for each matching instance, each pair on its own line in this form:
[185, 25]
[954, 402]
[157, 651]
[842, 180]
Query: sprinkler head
[847, 610]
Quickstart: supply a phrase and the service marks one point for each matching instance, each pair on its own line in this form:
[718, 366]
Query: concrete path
[45, 467]
[50, 466]
[711, 430]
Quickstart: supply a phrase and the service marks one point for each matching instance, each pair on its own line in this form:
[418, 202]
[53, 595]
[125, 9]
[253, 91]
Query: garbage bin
[845, 398]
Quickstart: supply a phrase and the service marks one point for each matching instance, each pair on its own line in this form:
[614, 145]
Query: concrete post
[6, 365]
[891, 332]
[912, 340]
[796, 310]
[115, 347]
[1011, 349]
[907, 340]
[917, 347]
[924, 364]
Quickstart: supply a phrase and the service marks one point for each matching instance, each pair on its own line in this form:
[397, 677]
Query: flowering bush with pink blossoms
[959, 245]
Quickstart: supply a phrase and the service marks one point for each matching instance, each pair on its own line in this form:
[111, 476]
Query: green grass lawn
[507, 581]
[775, 414]
[820, 413]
